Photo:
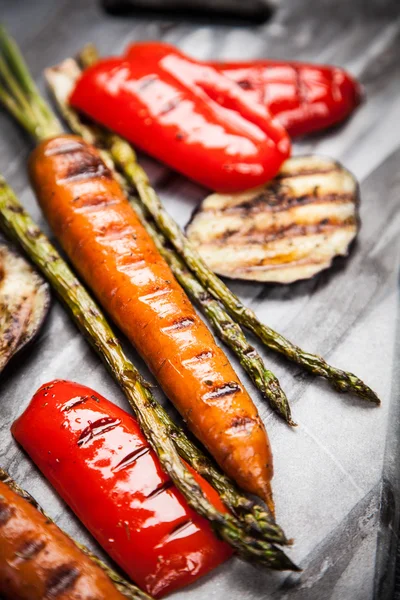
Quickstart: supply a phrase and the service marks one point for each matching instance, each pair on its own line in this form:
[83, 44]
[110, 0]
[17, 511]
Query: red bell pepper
[96, 457]
[185, 114]
[304, 98]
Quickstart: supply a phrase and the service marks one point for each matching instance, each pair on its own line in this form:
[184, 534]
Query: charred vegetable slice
[24, 303]
[289, 229]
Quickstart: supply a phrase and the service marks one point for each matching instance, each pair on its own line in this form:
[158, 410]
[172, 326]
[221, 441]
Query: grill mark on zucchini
[131, 458]
[226, 389]
[275, 199]
[61, 580]
[306, 172]
[271, 234]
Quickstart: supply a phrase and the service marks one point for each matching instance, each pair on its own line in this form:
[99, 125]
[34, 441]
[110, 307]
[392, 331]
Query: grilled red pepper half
[96, 457]
[186, 114]
[304, 98]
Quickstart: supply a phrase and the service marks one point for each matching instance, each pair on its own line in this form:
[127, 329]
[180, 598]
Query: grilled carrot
[107, 244]
[37, 560]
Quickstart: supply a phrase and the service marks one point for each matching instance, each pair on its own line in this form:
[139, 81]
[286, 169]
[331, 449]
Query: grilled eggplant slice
[24, 304]
[289, 229]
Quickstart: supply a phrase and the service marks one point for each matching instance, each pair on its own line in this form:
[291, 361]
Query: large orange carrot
[106, 242]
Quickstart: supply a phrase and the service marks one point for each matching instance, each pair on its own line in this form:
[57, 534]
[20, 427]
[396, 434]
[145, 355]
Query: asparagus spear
[60, 80]
[342, 381]
[129, 590]
[16, 222]
[254, 518]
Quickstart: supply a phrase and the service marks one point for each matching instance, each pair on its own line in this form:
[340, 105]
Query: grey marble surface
[336, 476]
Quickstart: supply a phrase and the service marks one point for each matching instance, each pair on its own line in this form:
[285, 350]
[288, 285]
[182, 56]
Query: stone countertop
[336, 477]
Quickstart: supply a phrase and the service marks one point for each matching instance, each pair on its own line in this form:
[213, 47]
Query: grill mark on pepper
[100, 426]
[29, 550]
[145, 83]
[179, 324]
[169, 106]
[222, 390]
[6, 512]
[64, 147]
[60, 580]
[174, 533]
[84, 165]
[160, 489]
[131, 458]
[74, 402]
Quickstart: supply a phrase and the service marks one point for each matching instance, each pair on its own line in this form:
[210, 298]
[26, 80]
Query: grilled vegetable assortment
[289, 229]
[38, 560]
[24, 303]
[250, 530]
[157, 519]
[101, 464]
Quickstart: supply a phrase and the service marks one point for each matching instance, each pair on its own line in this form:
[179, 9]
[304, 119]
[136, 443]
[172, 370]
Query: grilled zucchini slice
[287, 230]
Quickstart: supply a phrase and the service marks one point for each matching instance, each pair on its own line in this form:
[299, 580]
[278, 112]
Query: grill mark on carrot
[74, 402]
[222, 390]
[131, 264]
[28, 550]
[97, 428]
[160, 489]
[131, 458]
[182, 323]
[65, 147]
[116, 231]
[199, 357]
[84, 165]
[154, 295]
[241, 425]
[93, 202]
[6, 512]
[60, 580]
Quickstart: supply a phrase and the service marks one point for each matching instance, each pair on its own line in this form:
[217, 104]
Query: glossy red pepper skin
[185, 114]
[96, 457]
[304, 98]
